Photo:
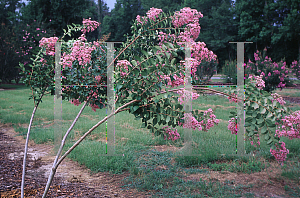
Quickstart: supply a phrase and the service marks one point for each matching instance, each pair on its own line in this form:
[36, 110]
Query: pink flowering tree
[144, 66]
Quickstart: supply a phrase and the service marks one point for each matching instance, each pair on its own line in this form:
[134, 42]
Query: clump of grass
[239, 166]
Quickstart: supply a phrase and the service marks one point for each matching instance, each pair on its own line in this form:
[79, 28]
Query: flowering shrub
[296, 68]
[274, 74]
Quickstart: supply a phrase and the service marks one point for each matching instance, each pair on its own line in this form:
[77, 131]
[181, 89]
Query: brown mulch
[103, 184]
[11, 175]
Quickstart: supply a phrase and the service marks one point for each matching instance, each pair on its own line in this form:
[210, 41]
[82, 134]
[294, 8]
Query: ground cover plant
[138, 99]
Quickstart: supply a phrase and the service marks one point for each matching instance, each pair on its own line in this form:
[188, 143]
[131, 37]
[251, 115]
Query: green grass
[159, 172]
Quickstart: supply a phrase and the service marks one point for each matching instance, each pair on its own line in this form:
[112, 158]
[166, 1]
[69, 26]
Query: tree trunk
[99, 17]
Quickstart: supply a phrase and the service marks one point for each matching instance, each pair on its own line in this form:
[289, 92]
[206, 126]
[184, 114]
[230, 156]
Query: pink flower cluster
[280, 153]
[258, 142]
[177, 80]
[290, 127]
[259, 82]
[185, 16]
[94, 106]
[123, 64]
[192, 123]
[75, 102]
[151, 14]
[172, 134]
[49, 44]
[233, 126]
[81, 51]
[185, 95]
[191, 32]
[89, 25]
[164, 37]
[231, 99]
[278, 98]
[138, 18]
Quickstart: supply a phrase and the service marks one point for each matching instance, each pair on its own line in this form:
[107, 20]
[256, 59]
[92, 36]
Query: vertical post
[57, 98]
[110, 100]
[240, 94]
[110, 127]
[187, 100]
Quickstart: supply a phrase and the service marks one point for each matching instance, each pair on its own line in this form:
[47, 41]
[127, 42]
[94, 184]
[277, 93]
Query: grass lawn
[149, 159]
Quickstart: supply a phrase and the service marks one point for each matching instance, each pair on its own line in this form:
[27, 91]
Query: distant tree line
[271, 24]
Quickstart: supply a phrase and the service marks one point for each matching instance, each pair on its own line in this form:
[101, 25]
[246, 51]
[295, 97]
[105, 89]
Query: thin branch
[55, 165]
[61, 147]
[26, 146]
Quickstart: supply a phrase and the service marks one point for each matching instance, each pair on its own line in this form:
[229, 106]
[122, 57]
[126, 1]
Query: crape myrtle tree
[139, 81]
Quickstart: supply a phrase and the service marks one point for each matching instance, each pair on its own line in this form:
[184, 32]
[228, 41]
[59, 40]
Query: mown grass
[159, 172]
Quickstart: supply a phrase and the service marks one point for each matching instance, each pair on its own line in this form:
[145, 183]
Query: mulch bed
[11, 177]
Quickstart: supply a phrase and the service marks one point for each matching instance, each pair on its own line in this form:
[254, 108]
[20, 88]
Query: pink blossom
[280, 153]
[89, 25]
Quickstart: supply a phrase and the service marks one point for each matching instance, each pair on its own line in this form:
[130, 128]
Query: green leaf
[135, 108]
[154, 121]
[170, 45]
[144, 73]
[264, 129]
[260, 120]
[168, 119]
[168, 55]
[159, 58]
[269, 115]
[144, 125]
[248, 119]
[267, 137]
[145, 53]
[157, 48]
[255, 105]
[262, 110]
[173, 61]
[134, 62]
[270, 141]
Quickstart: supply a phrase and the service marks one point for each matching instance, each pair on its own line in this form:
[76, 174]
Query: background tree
[8, 39]
[103, 10]
[121, 19]
[286, 38]
[166, 5]
[57, 14]
[269, 24]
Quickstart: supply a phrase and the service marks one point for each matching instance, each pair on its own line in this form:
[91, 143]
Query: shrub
[274, 74]
[229, 70]
[206, 70]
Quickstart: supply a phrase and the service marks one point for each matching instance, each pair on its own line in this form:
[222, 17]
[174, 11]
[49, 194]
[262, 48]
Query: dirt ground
[71, 179]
